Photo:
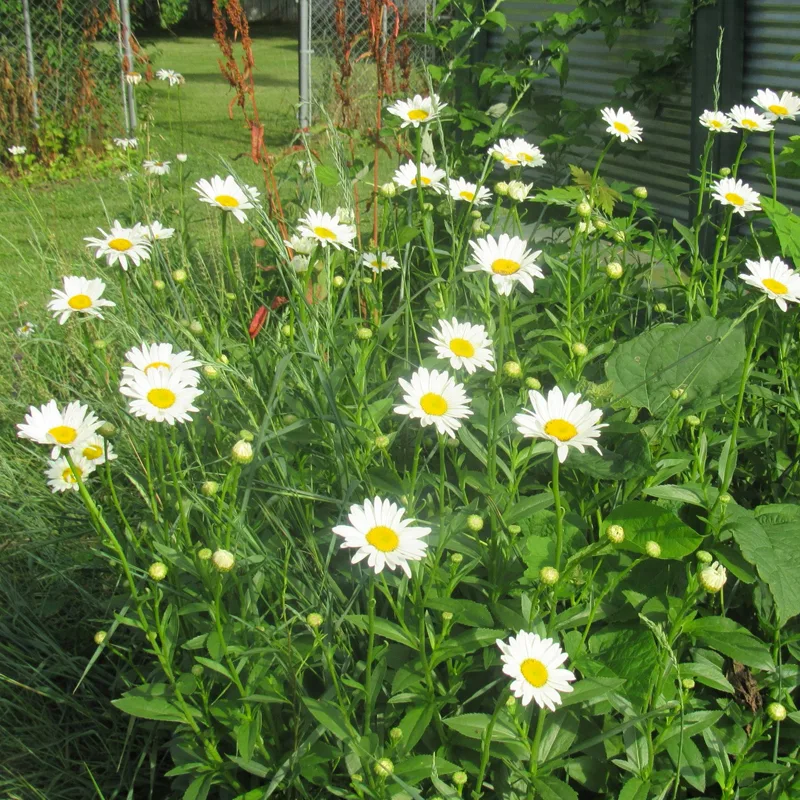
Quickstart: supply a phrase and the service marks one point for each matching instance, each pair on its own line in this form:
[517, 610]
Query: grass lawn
[72, 209]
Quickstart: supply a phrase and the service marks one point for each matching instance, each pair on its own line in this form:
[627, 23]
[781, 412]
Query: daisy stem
[442, 474]
[559, 510]
[742, 146]
[487, 740]
[226, 250]
[125, 302]
[716, 284]
[772, 165]
[370, 647]
[534, 765]
[599, 162]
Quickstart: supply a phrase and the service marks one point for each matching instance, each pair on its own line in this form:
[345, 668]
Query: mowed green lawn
[73, 209]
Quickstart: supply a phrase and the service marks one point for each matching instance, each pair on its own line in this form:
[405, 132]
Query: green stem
[773, 167]
[370, 649]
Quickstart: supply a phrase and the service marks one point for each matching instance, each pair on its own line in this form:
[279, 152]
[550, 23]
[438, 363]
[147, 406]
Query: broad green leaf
[198, 789]
[694, 722]
[465, 612]
[628, 458]
[551, 788]
[691, 762]
[786, 226]
[405, 234]
[327, 176]
[382, 627]
[465, 643]
[330, 717]
[526, 507]
[635, 789]
[152, 701]
[732, 640]
[474, 726]
[708, 674]
[418, 768]
[629, 653]
[414, 724]
[247, 736]
[644, 522]
[591, 691]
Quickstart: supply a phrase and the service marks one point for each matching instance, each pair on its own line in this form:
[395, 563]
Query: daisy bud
[427, 207]
[497, 156]
[614, 270]
[615, 534]
[500, 188]
[688, 683]
[713, 577]
[314, 620]
[179, 275]
[475, 523]
[725, 171]
[396, 734]
[381, 442]
[209, 488]
[447, 616]
[477, 226]
[364, 334]
[182, 157]
[600, 224]
[388, 189]
[497, 110]
[366, 280]
[157, 571]
[107, 430]
[100, 344]
[693, 421]
[514, 530]
[512, 369]
[456, 559]
[230, 296]
[704, 557]
[223, 359]
[459, 779]
[212, 373]
[289, 419]
[533, 383]
[725, 498]
[204, 554]
[580, 350]
[518, 191]
[584, 209]
[346, 215]
[159, 285]
[247, 435]
[223, 560]
[776, 712]
[383, 768]
[242, 452]
[198, 670]
[287, 330]
[100, 637]
[653, 549]
[196, 327]
[677, 392]
[640, 192]
[511, 701]
[549, 576]
[338, 281]
[475, 214]
[619, 236]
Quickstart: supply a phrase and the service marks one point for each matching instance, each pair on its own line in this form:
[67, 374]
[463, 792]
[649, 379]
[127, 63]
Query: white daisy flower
[17, 150]
[174, 78]
[379, 262]
[160, 395]
[157, 232]
[300, 263]
[461, 189]
[227, 195]
[127, 144]
[465, 345]
[507, 260]
[716, 121]
[26, 329]
[417, 110]
[430, 176]
[326, 229]
[305, 168]
[517, 153]
[783, 106]
[775, 278]
[51, 426]
[382, 536]
[535, 666]
[182, 157]
[304, 245]
[133, 78]
[156, 167]
[61, 477]
[622, 124]
[121, 245]
[94, 451]
[519, 191]
[434, 398]
[736, 193]
[566, 423]
[748, 119]
[81, 296]
[155, 356]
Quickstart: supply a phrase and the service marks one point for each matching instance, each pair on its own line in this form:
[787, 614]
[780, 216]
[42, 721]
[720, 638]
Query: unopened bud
[497, 155]
[107, 430]
[619, 236]
[615, 534]
[198, 670]
[196, 327]
[247, 435]
[511, 701]
[660, 308]
[704, 557]
[533, 383]
[223, 359]
[209, 488]
[477, 226]
[179, 275]
[396, 734]
[614, 270]
[157, 571]
[600, 224]
[447, 616]
[365, 334]
[725, 171]
[100, 637]
[211, 372]
[549, 576]
[427, 207]
[475, 214]
[580, 350]
[688, 683]
[459, 779]
[242, 452]
[713, 577]
[383, 768]
[514, 530]
[204, 554]
[640, 192]
[653, 549]
[677, 392]
[100, 344]
[776, 712]
[159, 285]
[381, 442]
[725, 498]
[338, 281]
[314, 620]
[223, 560]
[456, 559]
[512, 369]
[584, 209]
[287, 330]
[230, 295]
[388, 189]
[475, 523]
[289, 419]
[501, 188]
[693, 421]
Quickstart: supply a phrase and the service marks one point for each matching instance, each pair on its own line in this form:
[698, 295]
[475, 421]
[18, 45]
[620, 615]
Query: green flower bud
[653, 549]
[725, 171]
[580, 350]
[549, 576]
[511, 701]
[211, 372]
[396, 734]
[475, 214]
[197, 670]
[475, 523]
[388, 189]
[640, 192]
[365, 334]
[514, 530]
[427, 207]
[314, 620]
[223, 359]
[447, 616]
[247, 435]
[693, 421]
[725, 498]
[157, 571]
[100, 637]
[381, 442]
[584, 209]
[600, 224]
[660, 308]
[619, 236]
[776, 712]
[159, 285]
[614, 270]
[677, 392]
[704, 557]
[338, 281]
[615, 534]
[107, 430]
[179, 275]
[223, 560]
[459, 779]
[204, 554]
[688, 683]
[242, 452]
[209, 488]
[456, 558]
[383, 767]
[512, 369]
[196, 327]
[533, 383]
[287, 330]
[99, 344]
[289, 419]
[501, 188]
[230, 296]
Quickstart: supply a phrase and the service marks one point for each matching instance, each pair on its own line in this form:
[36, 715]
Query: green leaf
[405, 234]
[786, 226]
[474, 726]
[731, 639]
[247, 736]
[628, 458]
[198, 789]
[152, 701]
[498, 18]
[635, 789]
[551, 788]
[526, 507]
[465, 612]
[708, 674]
[414, 724]
[591, 691]
[692, 357]
[330, 717]
[645, 521]
[382, 627]
[465, 643]
[692, 769]
[327, 176]
[629, 653]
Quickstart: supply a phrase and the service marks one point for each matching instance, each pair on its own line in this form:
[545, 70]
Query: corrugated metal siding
[772, 40]
[662, 161]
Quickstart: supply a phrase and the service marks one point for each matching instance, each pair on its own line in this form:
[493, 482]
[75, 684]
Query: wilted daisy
[26, 329]
[227, 195]
[417, 110]
[150, 357]
[382, 536]
[622, 124]
[51, 426]
[517, 153]
[157, 232]
[133, 78]
[174, 78]
[305, 245]
[465, 345]
[783, 106]
[566, 423]
[747, 118]
[121, 245]
[326, 229]
[79, 295]
[156, 167]
[182, 157]
[434, 398]
[461, 189]
[519, 191]
[379, 262]
[430, 176]
[507, 260]
[126, 144]
[61, 477]
[17, 150]
[736, 193]
[160, 395]
[95, 450]
[716, 121]
[775, 278]
[534, 664]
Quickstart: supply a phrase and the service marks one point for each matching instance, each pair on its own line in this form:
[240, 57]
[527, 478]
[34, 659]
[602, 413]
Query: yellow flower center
[527, 157]
[560, 429]
[120, 245]
[505, 266]
[778, 110]
[324, 233]
[71, 474]
[749, 123]
[155, 365]
[425, 181]
[433, 404]
[776, 287]
[418, 115]
[92, 451]
[716, 123]
[383, 538]
[226, 201]
[621, 127]
[534, 672]
[79, 302]
[63, 434]
[161, 398]
[510, 160]
[734, 199]
[465, 195]
[462, 348]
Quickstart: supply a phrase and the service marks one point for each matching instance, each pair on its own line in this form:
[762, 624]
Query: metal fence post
[304, 64]
[125, 34]
[26, 14]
